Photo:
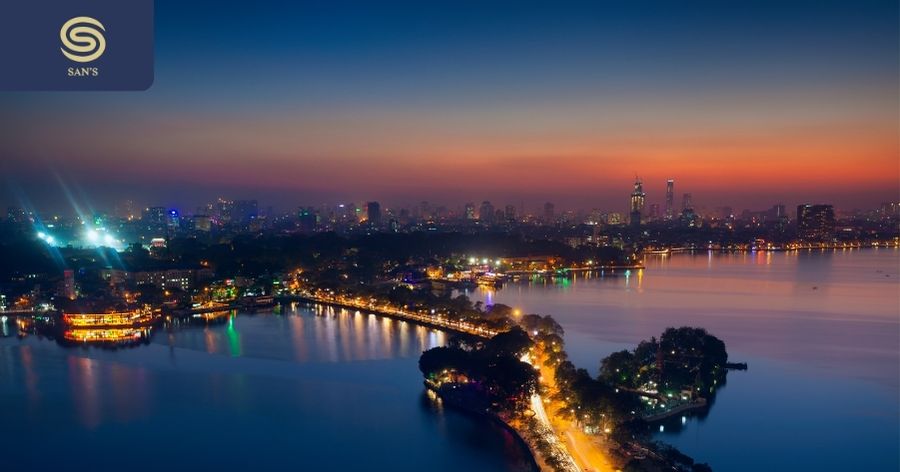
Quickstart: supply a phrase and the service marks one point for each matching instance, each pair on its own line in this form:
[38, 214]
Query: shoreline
[409, 318]
[535, 457]
[687, 407]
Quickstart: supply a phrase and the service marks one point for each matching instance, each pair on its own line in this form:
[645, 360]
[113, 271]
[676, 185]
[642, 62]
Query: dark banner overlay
[77, 44]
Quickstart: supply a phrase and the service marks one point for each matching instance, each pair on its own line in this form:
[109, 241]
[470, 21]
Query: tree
[437, 359]
[541, 324]
[513, 343]
[620, 368]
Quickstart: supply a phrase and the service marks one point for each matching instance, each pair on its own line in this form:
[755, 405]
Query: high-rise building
[687, 202]
[202, 223]
[306, 219]
[670, 199]
[155, 216]
[173, 220]
[243, 211]
[223, 210]
[549, 213]
[425, 210]
[486, 213]
[373, 213]
[889, 209]
[637, 202]
[510, 213]
[638, 196]
[470, 211]
[815, 222]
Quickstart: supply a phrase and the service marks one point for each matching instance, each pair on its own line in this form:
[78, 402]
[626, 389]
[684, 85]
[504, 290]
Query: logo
[76, 45]
[82, 39]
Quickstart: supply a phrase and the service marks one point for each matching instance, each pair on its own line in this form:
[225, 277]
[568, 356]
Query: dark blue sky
[471, 100]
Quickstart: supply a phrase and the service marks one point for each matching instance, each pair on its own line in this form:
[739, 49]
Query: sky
[743, 103]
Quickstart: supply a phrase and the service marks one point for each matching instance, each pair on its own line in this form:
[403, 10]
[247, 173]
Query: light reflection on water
[319, 388]
[820, 331]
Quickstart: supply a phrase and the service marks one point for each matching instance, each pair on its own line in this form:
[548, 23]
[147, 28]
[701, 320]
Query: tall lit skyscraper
[637, 202]
[670, 199]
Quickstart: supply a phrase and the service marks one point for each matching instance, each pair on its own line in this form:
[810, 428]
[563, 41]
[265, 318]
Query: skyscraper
[815, 222]
[510, 213]
[373, 213]
[470, 211]
[670, 199]
[549, 211]
[637, 202]
[486, 213]
[307, 219]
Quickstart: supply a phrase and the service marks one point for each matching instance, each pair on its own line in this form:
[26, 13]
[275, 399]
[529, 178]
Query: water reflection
[112, 336]
[313, 381]
[819, 329]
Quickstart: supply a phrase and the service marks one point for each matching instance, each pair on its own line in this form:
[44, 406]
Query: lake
[820, 331]
[306, 388]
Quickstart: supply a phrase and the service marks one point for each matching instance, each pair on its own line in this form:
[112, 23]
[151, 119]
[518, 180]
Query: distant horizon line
[522, 208]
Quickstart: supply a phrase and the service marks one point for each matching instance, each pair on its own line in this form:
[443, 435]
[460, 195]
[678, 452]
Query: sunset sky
[744, 103]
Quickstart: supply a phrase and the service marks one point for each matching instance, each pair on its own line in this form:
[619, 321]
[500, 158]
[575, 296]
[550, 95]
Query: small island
[567, 417]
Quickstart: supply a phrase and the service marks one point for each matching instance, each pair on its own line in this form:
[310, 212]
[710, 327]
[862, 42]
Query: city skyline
[652, 210]
[402, 104]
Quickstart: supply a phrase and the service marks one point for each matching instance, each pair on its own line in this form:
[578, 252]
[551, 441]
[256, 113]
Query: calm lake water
[305, 389]
[820, 331]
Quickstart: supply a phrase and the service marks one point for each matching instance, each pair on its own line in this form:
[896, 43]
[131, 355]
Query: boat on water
[260, 301]
[129, 318]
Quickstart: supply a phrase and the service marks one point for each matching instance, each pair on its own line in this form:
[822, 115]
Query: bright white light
[109, 240]
[93, 236]
[49, 239]
[41, 235]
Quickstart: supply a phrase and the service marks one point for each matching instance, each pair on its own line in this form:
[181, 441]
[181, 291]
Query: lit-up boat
[135, 318]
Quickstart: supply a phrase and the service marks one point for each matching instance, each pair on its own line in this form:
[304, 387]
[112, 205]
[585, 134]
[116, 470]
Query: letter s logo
[82, 39]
